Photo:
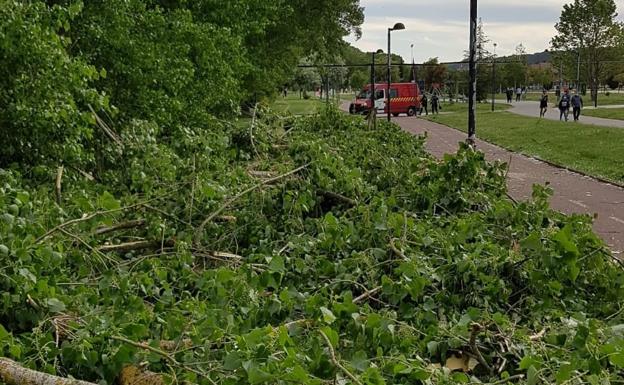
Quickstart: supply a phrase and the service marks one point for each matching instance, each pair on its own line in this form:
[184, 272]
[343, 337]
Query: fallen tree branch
[200, 229]
[161, 353]
[120, 226]
[59, 179]
[339, 197]
[396, 251]
[87, 217]
[107, 130]
[251, 128]
[476, 328]
[366, 294]
[12, 373]
[334, 360]
[138, 245]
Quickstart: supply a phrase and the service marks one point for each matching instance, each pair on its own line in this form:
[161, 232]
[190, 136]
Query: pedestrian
[543, 104]
[423, 104]
[577, 104]
[564, 106]
[509, 94]
[435, 104]
[518, 94]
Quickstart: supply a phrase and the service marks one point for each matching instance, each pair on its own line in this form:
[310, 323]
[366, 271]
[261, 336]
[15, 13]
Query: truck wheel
[352, 109]
[395, 114]
[411, 111]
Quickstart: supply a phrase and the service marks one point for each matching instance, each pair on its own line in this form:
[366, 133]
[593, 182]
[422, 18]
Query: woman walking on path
[544, 104]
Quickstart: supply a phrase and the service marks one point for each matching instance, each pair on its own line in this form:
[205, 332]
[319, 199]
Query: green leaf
[328, 316]
[108, 202]
[256, 375]
[55, 305]
[532, 376]
[564, 373]
[331, 334]
[277, 265]
[3, 333]
[617, 359]
[232, 361]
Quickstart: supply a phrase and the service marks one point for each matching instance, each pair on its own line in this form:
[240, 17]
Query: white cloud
[439, 28]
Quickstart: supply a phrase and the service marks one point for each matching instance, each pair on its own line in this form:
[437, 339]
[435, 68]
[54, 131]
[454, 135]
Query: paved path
[528, 108]
[574, 193]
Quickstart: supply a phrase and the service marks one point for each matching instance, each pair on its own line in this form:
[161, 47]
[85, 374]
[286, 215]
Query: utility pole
[472, 69]
[493, 77]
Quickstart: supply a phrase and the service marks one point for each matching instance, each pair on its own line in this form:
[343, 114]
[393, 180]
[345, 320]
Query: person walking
[518, 94]
[424, 105]
[544, 104]
[435, 103]
[509, 93]
[564, 106]
[577, 105]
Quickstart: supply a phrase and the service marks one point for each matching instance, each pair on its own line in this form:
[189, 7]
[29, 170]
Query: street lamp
[397, 27]
[372, 97]
[494, 76]
[472, 70]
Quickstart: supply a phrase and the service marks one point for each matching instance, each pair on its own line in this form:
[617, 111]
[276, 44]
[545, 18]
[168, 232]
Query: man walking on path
[564, 106]
[577, 104]
[423, 104]
[509, 93]
[435, 103]
[544, 104]
[518, 94]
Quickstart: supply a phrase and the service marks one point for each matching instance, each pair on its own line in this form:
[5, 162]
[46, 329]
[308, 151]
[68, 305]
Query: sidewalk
[529, 108]
[574, 193]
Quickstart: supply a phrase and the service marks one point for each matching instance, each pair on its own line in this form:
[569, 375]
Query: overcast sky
[439, 28]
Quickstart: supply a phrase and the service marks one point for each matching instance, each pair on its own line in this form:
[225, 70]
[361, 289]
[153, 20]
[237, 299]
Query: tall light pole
[397, 27]
[372, 98]
[472, 69]
[494, 77]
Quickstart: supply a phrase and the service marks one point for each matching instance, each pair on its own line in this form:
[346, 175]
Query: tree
[433, 73]
[484, 59]
[589, 28]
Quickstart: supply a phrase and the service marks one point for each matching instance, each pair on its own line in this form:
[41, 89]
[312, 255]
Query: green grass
[460, 107]
[608, 113]
[296, 106]
[597, 151]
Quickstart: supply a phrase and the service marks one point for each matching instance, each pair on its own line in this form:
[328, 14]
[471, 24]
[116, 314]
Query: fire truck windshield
[365, 94]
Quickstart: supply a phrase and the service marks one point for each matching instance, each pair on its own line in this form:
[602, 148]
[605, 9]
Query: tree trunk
[12, 373]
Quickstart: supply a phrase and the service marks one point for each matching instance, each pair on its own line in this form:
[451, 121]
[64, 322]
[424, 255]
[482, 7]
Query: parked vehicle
[405, 99]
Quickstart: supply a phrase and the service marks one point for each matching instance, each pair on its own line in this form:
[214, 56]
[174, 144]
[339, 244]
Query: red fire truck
[405, 99]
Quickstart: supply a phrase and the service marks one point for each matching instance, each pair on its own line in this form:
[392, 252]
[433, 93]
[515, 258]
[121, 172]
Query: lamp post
[372, 97]
[494, 77]
[472, 69]
[397, 27]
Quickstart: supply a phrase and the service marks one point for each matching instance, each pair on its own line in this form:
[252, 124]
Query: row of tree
[172, 63]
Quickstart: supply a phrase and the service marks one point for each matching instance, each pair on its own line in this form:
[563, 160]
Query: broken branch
[334, 360]
[138, 245]
[120, 226]
[200, 229]
[59, 179]
[12, 373]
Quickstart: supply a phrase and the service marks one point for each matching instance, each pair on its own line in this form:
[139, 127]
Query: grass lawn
[296, 106]
[597, 151]
[459, 107]
[608, 113]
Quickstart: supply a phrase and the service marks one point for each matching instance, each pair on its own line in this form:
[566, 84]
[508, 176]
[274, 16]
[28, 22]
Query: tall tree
[433, 72]
[589, 28]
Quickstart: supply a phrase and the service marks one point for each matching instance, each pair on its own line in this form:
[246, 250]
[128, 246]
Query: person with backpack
[564, 106]
[577, 104]
[543, 104]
